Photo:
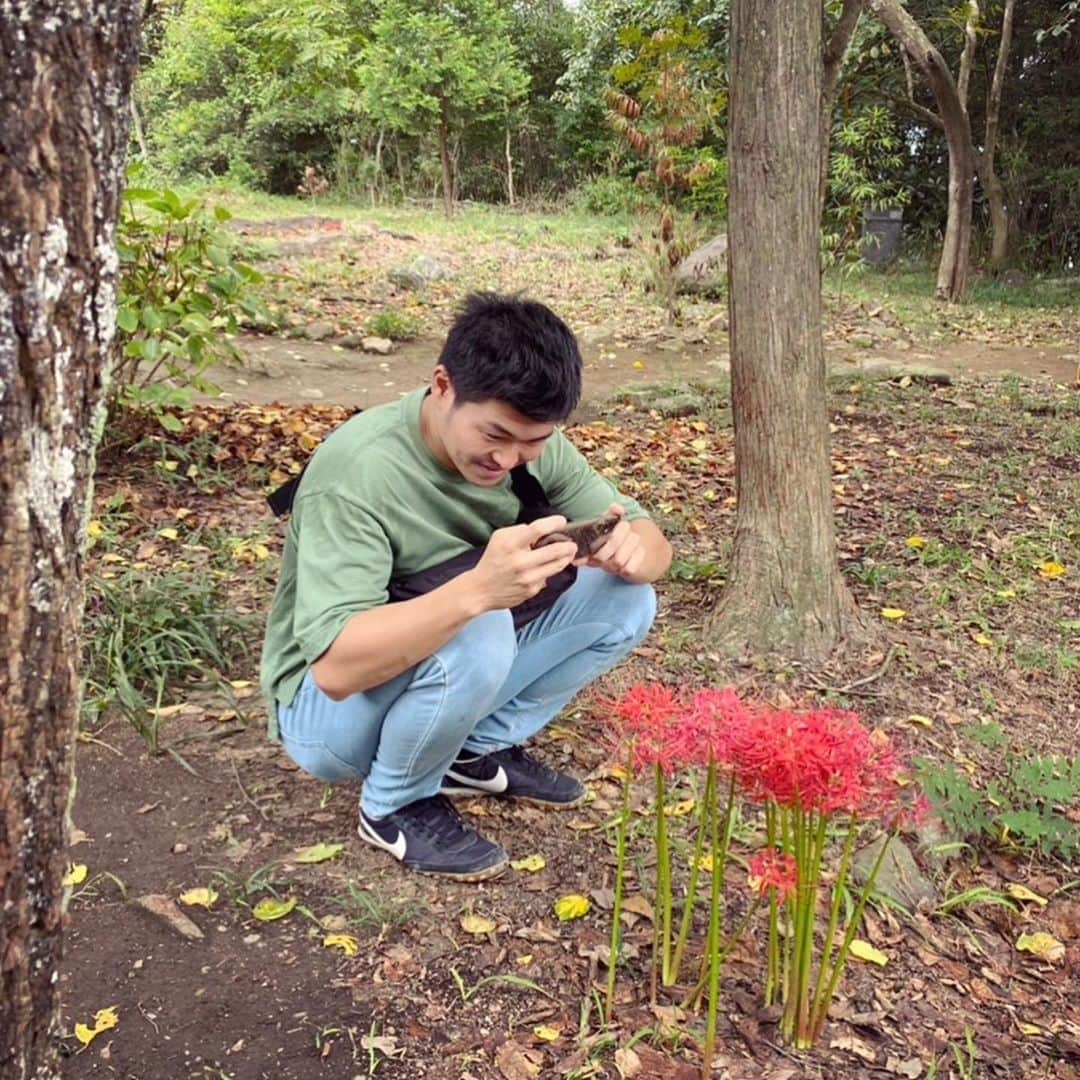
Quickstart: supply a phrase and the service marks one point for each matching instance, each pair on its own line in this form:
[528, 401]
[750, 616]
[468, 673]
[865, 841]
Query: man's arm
[378, 643]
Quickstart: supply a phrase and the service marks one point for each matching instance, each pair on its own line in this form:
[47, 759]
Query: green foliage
[181, 292]
[145, 632]
[399, 325]
[1022, 804]
[864, 170]
[609, 194]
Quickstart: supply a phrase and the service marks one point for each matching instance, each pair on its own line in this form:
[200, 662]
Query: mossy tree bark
[785, 593]
[64, 93]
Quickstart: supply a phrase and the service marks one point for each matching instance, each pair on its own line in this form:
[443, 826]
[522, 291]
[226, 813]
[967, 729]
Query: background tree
[64, 92]
[785, 591]
[429, 68]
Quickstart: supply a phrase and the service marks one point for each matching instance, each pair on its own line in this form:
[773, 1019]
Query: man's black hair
[516, 351]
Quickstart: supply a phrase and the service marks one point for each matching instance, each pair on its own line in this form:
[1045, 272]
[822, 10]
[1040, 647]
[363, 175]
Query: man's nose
[507, 458]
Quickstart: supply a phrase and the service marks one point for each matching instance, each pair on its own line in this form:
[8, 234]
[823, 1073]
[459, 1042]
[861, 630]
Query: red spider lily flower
[711, 726]
[772, 869]
[646, 719]
[823, 760]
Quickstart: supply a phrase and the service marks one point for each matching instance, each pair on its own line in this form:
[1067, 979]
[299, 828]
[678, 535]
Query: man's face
[484, 440]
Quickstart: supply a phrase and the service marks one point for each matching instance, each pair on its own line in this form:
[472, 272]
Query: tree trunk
[64, 88]
[995, 190]
[785, 593]
[952, 279]
[444, 157]
[509, 168]
[833, 58]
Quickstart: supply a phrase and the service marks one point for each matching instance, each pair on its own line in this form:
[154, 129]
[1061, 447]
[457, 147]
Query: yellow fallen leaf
[104, 1019]
[524, 961]
[1022, 892]
[94, 529]
[317, 853]
[1051, 569]
[1043, 945]
[893, 612]
[1007, 594]
[240, 684]
[982, 639]
[345, 942]
[618, 772]
[1029, 1029]
[530, 864]
[705, 862]
[863, 950]
[170, 466]
[76, 874]
[547, 1034]
[572, 906]
[918, 718]
[915, 542]
[679, 809]
[477, 924]
[162, 712]
[168, 534]
[639, 364]
[199, 898]
[269, 909]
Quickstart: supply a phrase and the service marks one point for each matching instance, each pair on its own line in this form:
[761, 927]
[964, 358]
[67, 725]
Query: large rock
[704, 270]
[899, 877]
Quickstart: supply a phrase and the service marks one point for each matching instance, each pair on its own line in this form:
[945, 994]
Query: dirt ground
[225, 996]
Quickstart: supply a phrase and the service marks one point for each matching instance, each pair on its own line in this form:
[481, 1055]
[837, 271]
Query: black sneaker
[430, 836]
[514, 774]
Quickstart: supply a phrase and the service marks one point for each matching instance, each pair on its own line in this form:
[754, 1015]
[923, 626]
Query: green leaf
[127, 319]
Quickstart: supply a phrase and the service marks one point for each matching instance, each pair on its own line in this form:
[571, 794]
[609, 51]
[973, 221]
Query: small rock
[352, 341]
[693, 335]
[899, 877]
[311, 392]
[318, 331]
[677, 405]
[179, 848]
[704, 270]
[670, 345]
[381, 345]
[862, 341]
[430, 269]
[405, 278]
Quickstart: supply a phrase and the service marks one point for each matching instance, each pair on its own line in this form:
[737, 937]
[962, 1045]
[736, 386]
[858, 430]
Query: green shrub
[1022, 805]
[610, 195]
[399, 325]
[182, 292]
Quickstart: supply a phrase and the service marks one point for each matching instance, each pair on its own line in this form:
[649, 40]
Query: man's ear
[441, 387]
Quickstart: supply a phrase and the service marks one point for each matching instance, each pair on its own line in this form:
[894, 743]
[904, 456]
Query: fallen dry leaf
[104, 1019]
[572, 906]
[1043, 945]
[477, 924]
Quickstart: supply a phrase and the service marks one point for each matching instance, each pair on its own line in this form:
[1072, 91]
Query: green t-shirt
[374, 504]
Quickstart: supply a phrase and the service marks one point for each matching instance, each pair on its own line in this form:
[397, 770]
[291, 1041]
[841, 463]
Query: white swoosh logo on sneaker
[495, 786]
[397, 848]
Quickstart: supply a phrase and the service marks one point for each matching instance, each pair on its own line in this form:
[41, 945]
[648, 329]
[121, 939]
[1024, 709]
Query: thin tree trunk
[967, 55]
[137, 128]
[377, 178]
[64, 94]
[785, 592]
[509, 168]
[833, 58]
[995, 190]
[953, 269]
[444, 157]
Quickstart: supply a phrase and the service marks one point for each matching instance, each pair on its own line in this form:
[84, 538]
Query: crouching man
[417, 637]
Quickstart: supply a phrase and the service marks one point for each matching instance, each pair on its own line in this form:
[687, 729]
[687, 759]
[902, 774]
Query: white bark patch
[52, 276]
[51, 480]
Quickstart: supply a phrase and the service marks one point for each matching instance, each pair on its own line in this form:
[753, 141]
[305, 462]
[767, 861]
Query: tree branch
[833, 61]
[968, 55]
[993, 106]
[921, 111]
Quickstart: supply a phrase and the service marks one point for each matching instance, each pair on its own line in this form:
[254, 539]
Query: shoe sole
[547, 804]
[483, 874]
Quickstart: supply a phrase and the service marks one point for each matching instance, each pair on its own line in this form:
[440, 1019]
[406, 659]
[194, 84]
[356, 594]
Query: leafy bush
[145, 633]
[609, 194]
[399, 325]
[1021, 805]
[182, 292]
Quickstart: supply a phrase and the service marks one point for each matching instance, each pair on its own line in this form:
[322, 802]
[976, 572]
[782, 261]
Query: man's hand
[621, 553]
[510, 571]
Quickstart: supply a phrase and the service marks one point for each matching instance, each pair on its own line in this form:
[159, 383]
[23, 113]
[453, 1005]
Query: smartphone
[589, 535]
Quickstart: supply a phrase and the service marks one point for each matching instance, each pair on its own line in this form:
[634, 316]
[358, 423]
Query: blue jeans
[487, 688]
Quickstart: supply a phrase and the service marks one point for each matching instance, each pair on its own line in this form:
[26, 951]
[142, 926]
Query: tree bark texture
[991, 182]
[953, 269]
[64, 93]
[785, 592]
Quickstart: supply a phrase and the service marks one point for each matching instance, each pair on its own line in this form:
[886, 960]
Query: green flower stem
[695, 870]
[815, 833]
[663, 879]
[834, 915]
[772, 975]
[616, 909]
[849, 936]
[787, 842]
